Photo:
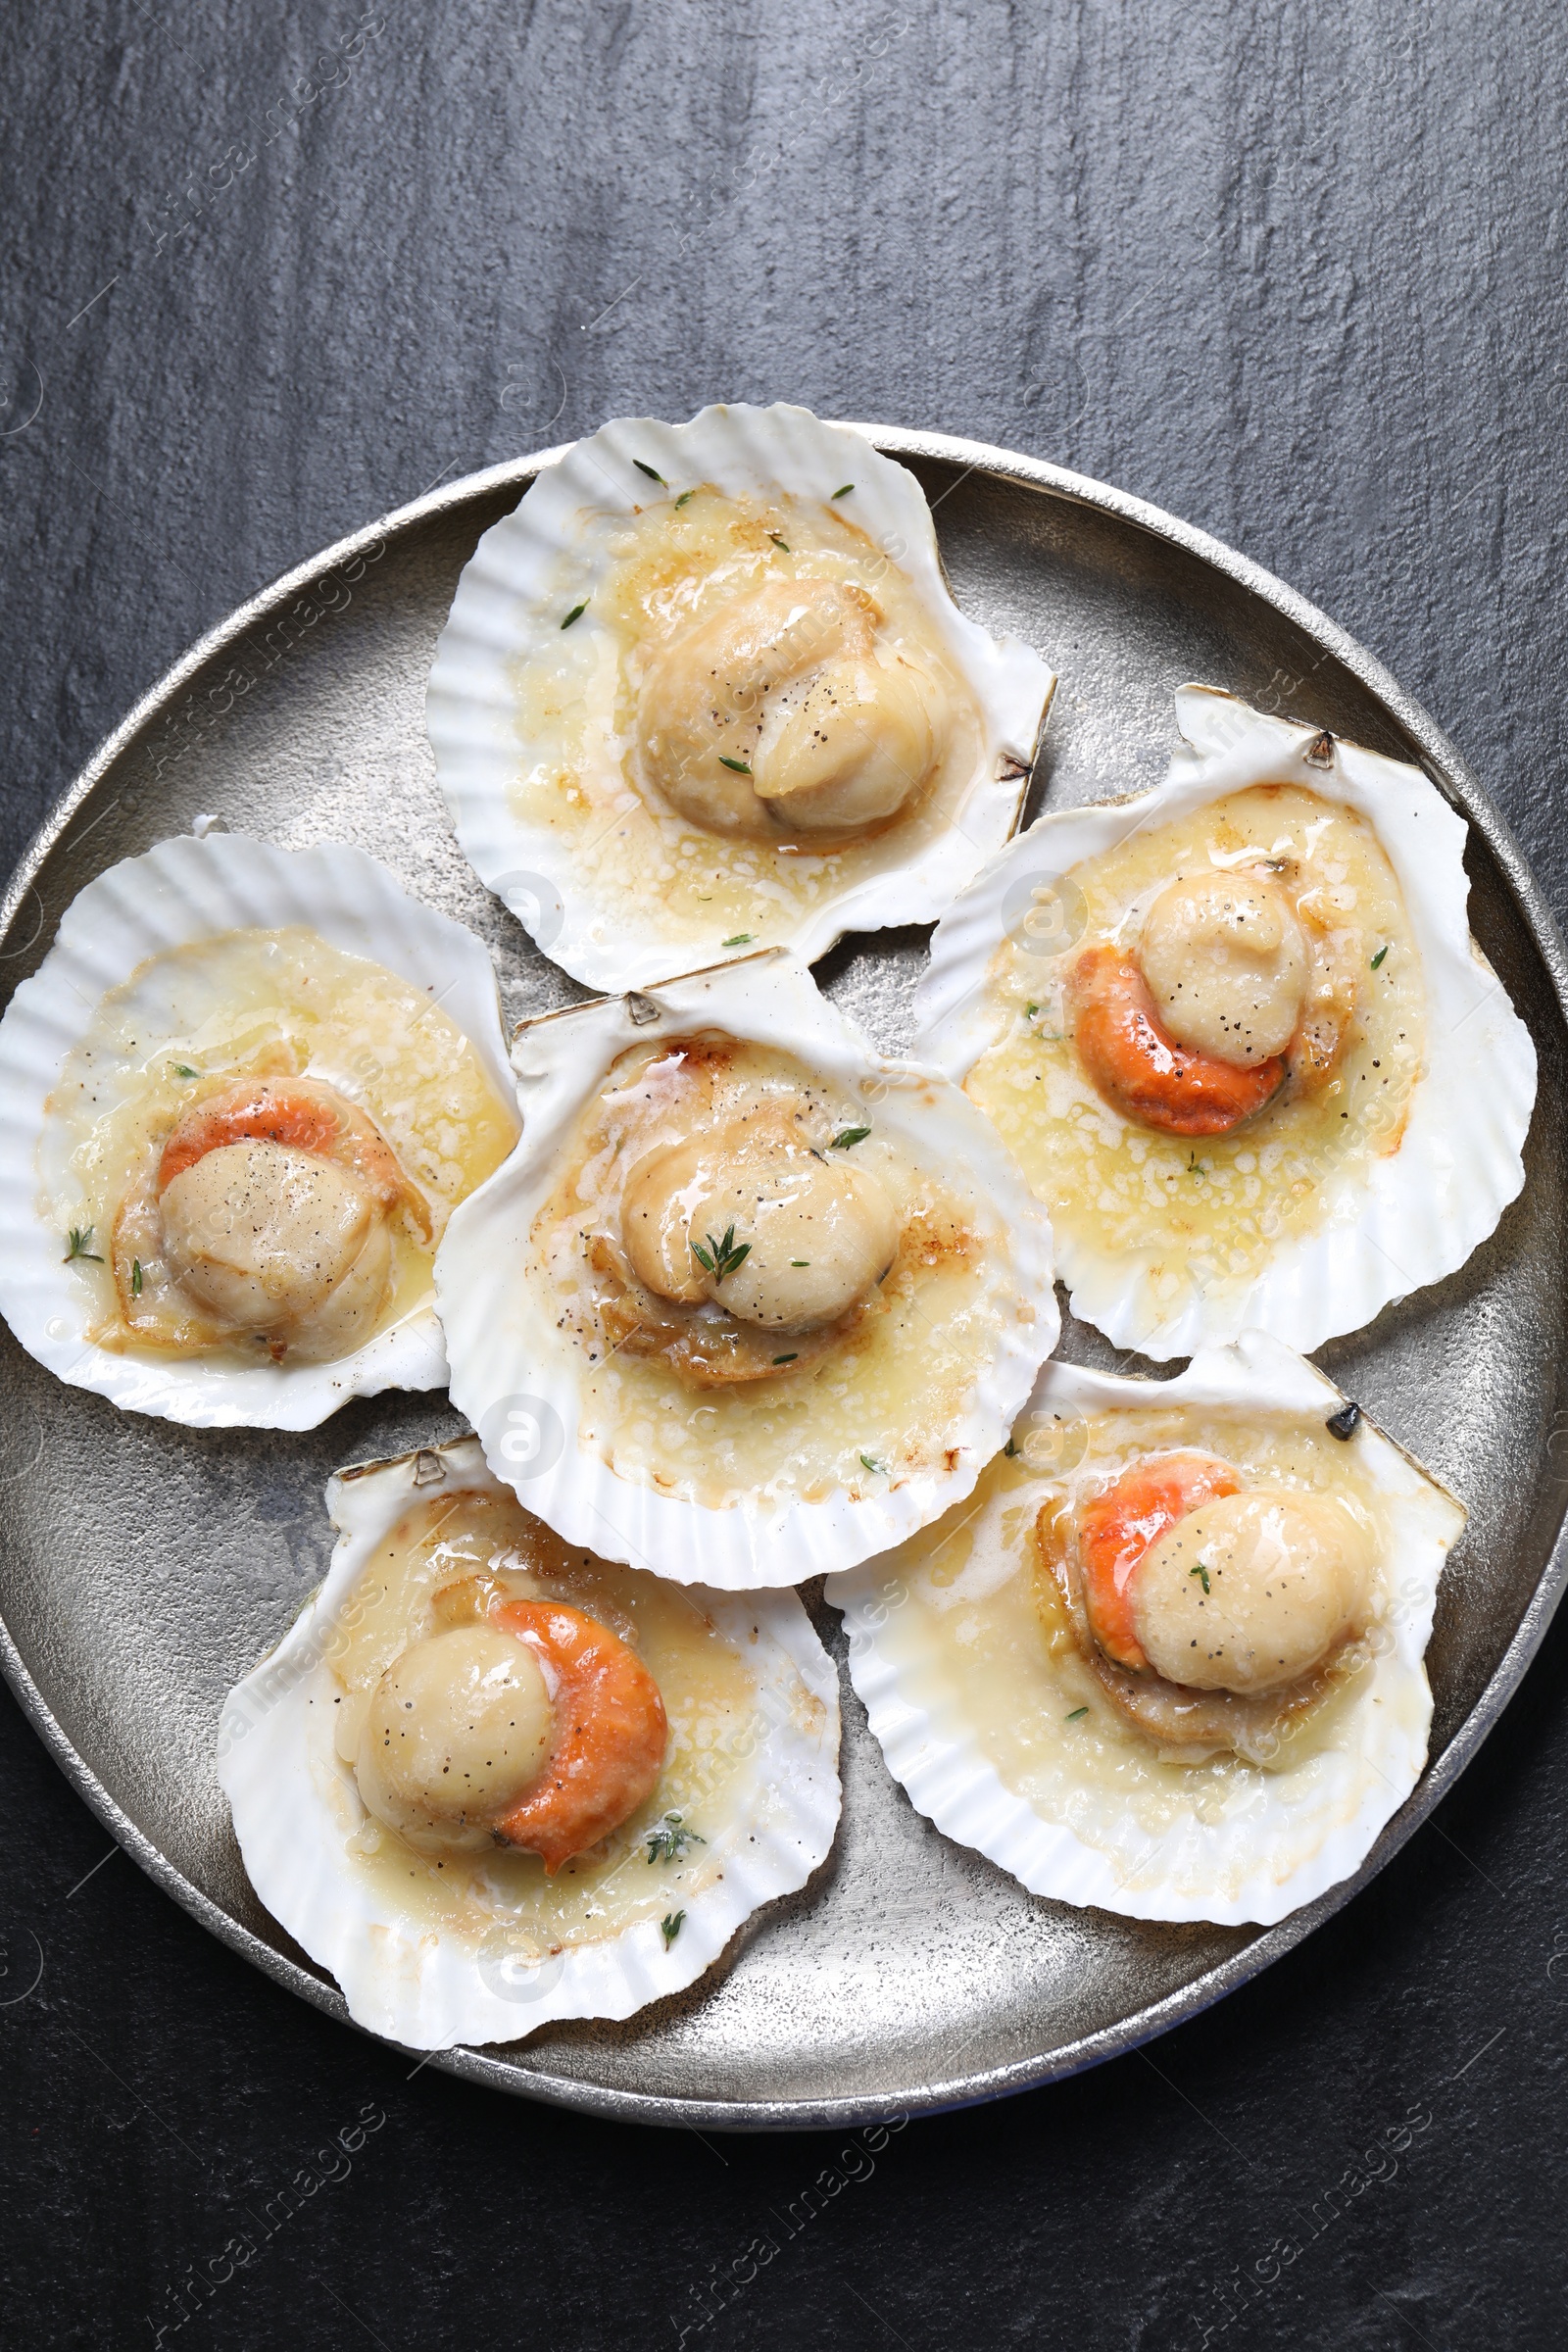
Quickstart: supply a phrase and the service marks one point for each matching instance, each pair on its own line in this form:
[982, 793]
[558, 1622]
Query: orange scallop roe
[1116, 1528]
[610, 1732]
[1141, 1069]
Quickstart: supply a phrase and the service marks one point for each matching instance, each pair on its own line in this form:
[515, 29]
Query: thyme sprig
[1202, 1570]
[721, 1258]
[669, 1841]
[670, 1926]
[79, 1244]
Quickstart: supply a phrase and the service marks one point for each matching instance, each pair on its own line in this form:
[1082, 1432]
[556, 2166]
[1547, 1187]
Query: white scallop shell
[507, 611]
[1415, 1215]
[502, 1339]
[1284, 1842]
[276, 1752]
[184, 891]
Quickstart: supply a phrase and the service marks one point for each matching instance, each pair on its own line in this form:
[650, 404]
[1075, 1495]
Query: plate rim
[1453, 778]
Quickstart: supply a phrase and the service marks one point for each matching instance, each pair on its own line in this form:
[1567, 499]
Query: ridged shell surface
[1407, 1216]
[535, 567]
[1252, 1848]
[185, 891]
[519, 1384]
[295, 1804]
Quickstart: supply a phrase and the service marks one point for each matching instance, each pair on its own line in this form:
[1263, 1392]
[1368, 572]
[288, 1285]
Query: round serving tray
[145, 1567]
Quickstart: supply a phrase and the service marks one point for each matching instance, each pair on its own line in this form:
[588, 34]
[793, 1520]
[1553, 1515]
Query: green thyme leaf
[740, 939]
[783, 543]
[183, 1069]
[1029, 1011]
[668, 1842]
[1010, 1450]
[844, 490]
[653, 475]
[577, 614]
[80, 1246]
[849, 1138]
[869, 1463]
[1077, 1711]
[721, 1257]
[788, 1360]
[1195, 1166]
[737, 766]
[800, 1262]
[136, 1277]
[1378, 958]
[684, 495]
[1200, 1570]
[670, 1926]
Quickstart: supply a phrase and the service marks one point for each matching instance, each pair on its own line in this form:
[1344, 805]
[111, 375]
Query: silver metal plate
[146, 1567]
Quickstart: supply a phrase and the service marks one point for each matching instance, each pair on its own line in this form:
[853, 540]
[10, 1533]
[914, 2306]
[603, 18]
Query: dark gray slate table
[1295, 274]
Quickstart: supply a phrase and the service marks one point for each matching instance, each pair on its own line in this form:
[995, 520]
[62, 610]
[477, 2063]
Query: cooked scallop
[780, 713]
[289, 1244]
[1254, 1591]
[457, 1730]
[1226, 961]
[819, 1236]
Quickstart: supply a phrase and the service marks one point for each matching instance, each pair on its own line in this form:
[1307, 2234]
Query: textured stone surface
[1297, 276]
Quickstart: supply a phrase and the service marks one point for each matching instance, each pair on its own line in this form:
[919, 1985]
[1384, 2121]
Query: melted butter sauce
[965, 1626]
[645, 577]
[264, 1003]
[1215, 1210]
[713, 1698]
[886, 1396]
